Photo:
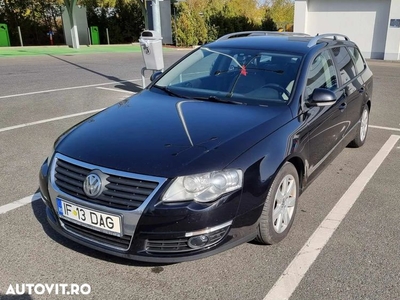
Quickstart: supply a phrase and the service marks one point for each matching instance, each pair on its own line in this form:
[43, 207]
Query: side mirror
[322, 97]
[155, 75]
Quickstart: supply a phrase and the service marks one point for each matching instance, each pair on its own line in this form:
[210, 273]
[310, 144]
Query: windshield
[236, 75]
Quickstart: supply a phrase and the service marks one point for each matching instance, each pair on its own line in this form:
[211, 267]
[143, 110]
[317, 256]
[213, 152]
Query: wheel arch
[299, 165]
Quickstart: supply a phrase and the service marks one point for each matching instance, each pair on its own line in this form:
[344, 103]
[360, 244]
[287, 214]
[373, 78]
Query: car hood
[160, 135]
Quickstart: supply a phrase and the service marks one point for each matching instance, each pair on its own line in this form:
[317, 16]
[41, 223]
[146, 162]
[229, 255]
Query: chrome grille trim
[124, 190]
[130, 218]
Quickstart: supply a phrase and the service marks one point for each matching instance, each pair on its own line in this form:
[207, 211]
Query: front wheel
[363, 130]
[280, 206]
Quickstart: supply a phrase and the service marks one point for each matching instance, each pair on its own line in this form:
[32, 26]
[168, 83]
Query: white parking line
[18, 203]
[67, 88]
[384, 128]
[116, 90]
[50, 120]
[294, 273]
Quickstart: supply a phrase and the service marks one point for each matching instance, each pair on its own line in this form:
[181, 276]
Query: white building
[373, 24]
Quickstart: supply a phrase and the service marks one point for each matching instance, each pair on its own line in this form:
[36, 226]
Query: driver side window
[321, 74]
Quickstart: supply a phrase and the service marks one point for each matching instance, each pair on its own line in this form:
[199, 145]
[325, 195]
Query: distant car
[215, 152]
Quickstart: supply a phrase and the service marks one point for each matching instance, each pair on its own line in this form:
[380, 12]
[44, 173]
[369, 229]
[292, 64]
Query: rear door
[352, 84]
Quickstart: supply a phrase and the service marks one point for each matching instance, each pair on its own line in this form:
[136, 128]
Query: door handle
[342, 106]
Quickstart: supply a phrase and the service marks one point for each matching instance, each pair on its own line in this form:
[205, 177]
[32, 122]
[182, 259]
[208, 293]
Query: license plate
[90, 218]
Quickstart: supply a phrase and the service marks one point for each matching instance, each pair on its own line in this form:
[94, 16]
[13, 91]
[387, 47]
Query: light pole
[71, 7]
[155, 7]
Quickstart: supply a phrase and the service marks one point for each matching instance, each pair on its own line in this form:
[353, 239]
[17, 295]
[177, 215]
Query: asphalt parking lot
[337, 255]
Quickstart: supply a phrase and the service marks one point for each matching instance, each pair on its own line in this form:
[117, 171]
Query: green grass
[65, 50]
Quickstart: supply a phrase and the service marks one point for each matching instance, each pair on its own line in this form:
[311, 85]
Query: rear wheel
[363, 129]
[280, 206]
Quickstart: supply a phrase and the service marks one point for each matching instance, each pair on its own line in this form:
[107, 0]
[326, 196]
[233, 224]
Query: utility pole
[155, 7]
[71, 7]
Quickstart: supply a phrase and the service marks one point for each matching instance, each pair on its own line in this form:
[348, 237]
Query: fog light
[198, 241]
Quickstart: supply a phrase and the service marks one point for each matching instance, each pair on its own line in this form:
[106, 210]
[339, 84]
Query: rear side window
[358, 59]
[345, 64]
[321, 74]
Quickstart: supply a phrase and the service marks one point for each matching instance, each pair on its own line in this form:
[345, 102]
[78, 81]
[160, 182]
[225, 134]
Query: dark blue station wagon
[215, 152]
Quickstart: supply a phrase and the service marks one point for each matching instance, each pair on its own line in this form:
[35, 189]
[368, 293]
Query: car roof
[279, 42]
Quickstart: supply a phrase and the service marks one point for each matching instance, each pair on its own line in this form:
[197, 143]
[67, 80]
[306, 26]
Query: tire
[273, 225]
[362, 131]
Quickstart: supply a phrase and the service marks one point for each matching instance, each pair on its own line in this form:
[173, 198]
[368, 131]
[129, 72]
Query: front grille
[99, 237]
[157, 246]
[120, 192]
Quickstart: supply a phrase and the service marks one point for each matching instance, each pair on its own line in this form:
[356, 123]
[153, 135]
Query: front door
[327, 125]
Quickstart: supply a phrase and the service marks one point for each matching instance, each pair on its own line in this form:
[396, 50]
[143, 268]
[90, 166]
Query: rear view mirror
[322, 97]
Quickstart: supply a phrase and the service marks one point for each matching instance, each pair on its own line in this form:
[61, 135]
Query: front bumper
[155, 231]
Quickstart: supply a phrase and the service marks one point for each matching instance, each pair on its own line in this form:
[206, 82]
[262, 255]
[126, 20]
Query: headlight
[204, 187]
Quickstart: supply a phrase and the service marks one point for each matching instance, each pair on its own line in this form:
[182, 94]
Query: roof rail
[259, 33]
[315, 39]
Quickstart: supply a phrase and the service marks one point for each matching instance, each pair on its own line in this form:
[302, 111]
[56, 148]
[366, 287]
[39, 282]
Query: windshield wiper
[169, 92]
[275, 71]
[216, 99]
[210, 98]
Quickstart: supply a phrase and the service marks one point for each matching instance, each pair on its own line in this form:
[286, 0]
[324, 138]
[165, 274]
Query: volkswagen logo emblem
[92, 186]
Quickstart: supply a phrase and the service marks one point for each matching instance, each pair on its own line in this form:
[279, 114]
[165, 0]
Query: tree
[281, 12]
[143, 7]
[186, 25]
[34, 17]
[122, 18]
[201, 21]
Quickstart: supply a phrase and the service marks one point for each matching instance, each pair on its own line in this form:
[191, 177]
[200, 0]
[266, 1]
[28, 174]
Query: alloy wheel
[284, 203]
[364, 124]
